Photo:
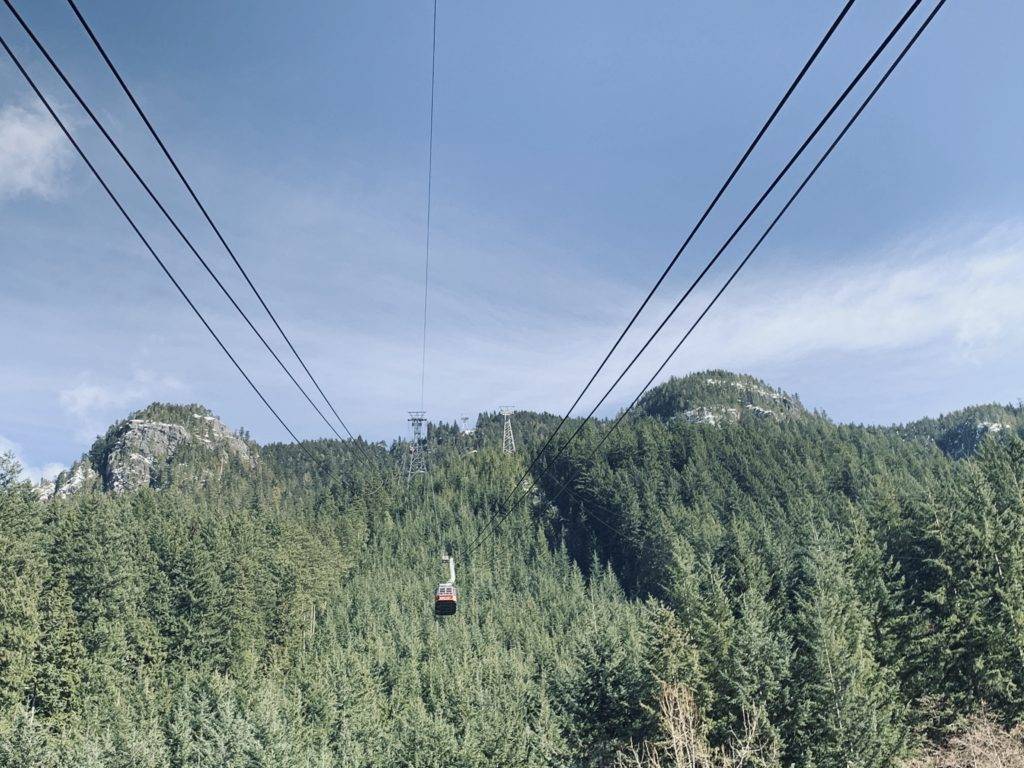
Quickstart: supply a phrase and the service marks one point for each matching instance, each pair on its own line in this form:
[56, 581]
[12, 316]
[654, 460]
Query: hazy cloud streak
[33, 153]
[960, 294]
[28, 470]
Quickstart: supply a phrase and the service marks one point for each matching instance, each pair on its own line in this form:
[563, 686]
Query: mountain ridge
[139, 449]
[959, 433]
[852, 588]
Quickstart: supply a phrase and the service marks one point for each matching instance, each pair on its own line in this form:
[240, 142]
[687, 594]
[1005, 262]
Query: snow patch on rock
[992, 427]
[80, 476]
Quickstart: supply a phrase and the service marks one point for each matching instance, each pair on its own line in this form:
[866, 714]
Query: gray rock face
[992, 427]
[45, 489]
[79, 477]
[131, 461]
[710, 415]
[142, 449]
[717, 414]
[212, 433]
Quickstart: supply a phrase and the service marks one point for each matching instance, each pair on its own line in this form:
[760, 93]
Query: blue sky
[575, 144]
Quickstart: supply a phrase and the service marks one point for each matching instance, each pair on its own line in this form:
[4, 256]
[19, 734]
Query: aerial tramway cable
[509, 506]
[202, 208]
[430, 178]
[838, 102]
[131, 222]
[445, 596]
[693, 232]
[768, 230]
[131, 167]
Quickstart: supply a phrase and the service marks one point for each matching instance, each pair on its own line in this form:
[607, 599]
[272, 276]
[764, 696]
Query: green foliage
[859, 588]
[959, 434]
[711, 390]
[854, 590]
[23, 570]
[284, 617]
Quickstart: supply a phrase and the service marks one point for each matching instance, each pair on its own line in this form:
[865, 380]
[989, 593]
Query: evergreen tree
[22, 571]
[845, 710]
[57, 675]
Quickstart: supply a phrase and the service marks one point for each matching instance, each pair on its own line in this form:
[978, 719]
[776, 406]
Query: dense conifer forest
[729, 579]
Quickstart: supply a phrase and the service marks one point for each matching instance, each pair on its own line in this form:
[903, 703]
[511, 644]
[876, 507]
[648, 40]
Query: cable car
[446, 596]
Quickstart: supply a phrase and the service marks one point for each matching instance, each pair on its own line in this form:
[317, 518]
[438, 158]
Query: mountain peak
[959, 434]
[146, 448]
[717, 396]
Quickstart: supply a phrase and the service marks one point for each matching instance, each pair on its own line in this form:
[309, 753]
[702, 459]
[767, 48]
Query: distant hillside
[960, 433]
[855, 577]
[712, 397]
[721, 397]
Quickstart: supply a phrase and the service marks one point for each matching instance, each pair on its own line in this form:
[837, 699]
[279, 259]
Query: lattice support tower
[417, 445]
[508, 439]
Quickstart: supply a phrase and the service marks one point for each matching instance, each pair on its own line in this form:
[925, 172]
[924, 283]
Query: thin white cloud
[952, 300]
[30, 471]
[948, 298]
[959, 295]
[95, 403]
[33, 153]
[85, 399]
[89, 396]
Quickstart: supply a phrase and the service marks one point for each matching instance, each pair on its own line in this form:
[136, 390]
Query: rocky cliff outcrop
[81, 476]
[150, 447]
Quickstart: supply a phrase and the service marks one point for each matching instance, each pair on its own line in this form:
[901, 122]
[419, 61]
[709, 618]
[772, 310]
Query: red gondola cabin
[446, 597]
[445, 600]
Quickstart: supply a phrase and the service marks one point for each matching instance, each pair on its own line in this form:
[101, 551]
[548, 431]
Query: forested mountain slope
[855, 592]
[960, 433]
